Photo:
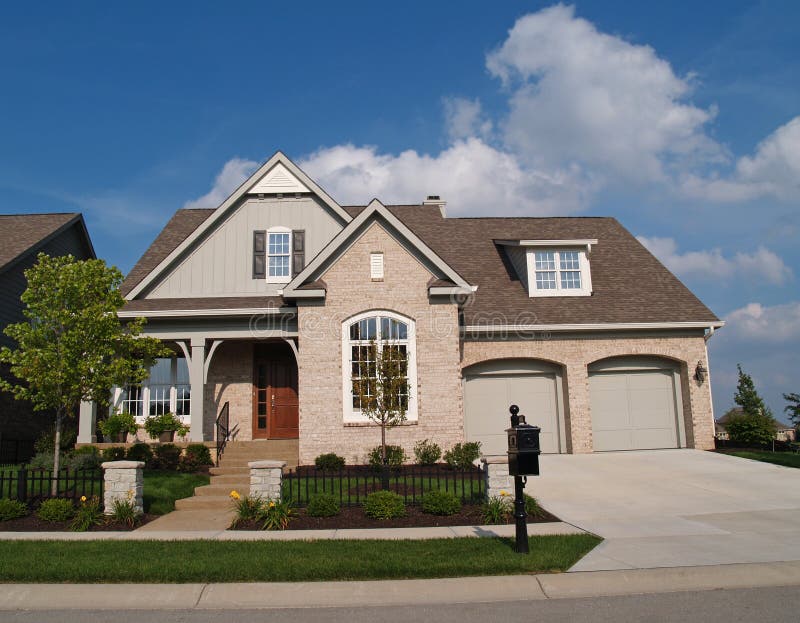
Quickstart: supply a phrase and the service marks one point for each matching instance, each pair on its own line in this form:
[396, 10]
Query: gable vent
[376, 266]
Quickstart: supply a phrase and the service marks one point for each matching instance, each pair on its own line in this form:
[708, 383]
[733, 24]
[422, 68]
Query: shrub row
[460, 456]
[162, 456]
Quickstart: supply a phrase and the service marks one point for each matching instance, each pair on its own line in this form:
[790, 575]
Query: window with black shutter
[298, 251]
[259, 254]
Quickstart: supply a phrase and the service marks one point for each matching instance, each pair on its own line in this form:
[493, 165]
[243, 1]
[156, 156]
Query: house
[269, 299]
[22, 238]
[783, 431]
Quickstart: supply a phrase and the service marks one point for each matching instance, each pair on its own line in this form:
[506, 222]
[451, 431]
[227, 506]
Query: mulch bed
[32, 523]
[353, 517]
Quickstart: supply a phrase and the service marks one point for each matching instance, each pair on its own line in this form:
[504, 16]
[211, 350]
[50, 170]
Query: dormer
[552, 267]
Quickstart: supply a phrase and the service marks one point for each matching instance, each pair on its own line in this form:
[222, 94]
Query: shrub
[157, 424]
[139, 452]
[56, 509]
[87, 457]
[498, 509]
[114, 454]
[323, 505]
[462, 455]
[189, 464]
[395, 456]
[47, 440]
[12, 509]
[532, 507]
[200, 453]
[41, 460]
[124, 511]
[275, 515]
[329, 462]
[440, 503]
[88, 514]
[118, 424]
[166, 456]
[751, 429]
[247, 508]
[384, 505]
[426, 452]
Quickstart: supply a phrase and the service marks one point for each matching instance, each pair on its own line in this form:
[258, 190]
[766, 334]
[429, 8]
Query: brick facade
[230, 379]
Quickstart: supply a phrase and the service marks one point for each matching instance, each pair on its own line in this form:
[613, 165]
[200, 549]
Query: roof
[207, 303]
[23, 233]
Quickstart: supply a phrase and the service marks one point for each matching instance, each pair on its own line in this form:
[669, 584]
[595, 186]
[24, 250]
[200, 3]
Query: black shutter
[259, 255]
[298, 251]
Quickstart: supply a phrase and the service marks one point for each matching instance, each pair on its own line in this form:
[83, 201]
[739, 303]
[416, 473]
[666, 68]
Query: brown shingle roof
[20, 232]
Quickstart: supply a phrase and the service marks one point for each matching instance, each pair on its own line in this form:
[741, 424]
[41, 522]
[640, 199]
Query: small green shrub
[532, 507]
[89, 514]
[166, 456]
[189, 464]
[139, 452]
[751, 429]
[384, 505]
[395, 456]
[42, 460]
[12, 509]
[47, 440]
[329, 462]
[275, 515]
[124, 511]
[157, 424]
[247, 508]
[462, 455]
[440, 503]
[427, 452]
[498, 509]
[323, 505]
[118, 424]
[116, 453]
[199, 453]
[56, 509]
[84, 458]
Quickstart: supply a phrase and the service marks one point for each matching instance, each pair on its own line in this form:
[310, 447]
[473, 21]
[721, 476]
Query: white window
[279, 255]
[559, 272]
[386, 330]
[166, 390]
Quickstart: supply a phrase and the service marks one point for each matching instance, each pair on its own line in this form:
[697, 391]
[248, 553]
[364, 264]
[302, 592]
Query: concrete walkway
[117, 597]
[188, 520]
[674, 508]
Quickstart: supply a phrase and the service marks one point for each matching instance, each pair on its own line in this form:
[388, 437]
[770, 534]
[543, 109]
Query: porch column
[87, 421]
[196, 379]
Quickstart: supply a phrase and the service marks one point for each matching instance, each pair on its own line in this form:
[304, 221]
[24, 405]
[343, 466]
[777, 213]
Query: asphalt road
[719, 606]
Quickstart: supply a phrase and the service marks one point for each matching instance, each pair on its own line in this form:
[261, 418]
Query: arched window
[387, 330]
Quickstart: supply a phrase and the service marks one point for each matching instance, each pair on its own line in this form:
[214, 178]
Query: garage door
[487, 398]
[633, 410]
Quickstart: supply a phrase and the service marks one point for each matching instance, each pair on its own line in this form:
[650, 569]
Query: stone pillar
[495, 474]
[123, 481]
[87, 422]
[196, 378]
[266, 478]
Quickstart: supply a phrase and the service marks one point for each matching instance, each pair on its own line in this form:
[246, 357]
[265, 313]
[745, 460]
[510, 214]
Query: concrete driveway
[674, 508]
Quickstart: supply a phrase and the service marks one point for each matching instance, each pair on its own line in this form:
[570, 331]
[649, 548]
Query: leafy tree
[72, 345]
[746, 395]
[754, 424]
[382, 387]
[793, 408]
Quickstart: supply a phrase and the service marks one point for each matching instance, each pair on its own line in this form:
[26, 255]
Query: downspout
[707, 337]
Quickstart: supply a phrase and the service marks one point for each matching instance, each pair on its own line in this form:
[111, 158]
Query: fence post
[266, 478]
[495, 474]
[22, 485]
[123, 481]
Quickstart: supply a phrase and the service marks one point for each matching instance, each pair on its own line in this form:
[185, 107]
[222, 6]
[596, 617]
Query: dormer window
[557, 270]
[552, 267]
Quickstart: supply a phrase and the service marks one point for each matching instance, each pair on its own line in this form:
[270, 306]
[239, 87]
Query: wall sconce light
[700, 372]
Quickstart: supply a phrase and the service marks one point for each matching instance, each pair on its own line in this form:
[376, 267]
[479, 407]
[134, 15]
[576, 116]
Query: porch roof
[207, 306]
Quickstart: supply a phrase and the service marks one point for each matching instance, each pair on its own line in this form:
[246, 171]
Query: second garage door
[634, 410]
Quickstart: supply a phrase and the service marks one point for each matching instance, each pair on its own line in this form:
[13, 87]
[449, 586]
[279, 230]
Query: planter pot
[167, 436]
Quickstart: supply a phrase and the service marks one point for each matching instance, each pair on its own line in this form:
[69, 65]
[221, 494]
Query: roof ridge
[42, 214]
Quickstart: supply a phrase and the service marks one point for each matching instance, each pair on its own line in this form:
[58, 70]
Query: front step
[204, 502]
[222, 489]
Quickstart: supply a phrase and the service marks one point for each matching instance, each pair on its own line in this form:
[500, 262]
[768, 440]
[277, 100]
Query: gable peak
[279, 179]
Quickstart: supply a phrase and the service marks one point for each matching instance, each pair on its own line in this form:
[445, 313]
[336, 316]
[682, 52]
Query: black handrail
[223, 430]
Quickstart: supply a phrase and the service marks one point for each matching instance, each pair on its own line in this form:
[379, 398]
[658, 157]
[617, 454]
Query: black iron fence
[29, 485]
[352, 484]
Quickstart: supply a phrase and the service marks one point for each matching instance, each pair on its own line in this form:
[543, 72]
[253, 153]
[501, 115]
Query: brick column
[123, 481]
[265, 479]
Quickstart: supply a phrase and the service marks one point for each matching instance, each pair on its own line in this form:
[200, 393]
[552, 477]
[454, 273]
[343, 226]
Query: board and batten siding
[222, 264]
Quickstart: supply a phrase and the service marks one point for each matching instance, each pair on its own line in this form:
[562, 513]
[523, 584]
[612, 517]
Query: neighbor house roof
[21, 234]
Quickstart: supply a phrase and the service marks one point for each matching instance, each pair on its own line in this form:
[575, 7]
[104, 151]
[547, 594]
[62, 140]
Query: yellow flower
[83, 498]
[235, 495]
[504, 493]
[272, 504]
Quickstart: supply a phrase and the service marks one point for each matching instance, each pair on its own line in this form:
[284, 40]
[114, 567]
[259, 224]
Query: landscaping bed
[32, 523]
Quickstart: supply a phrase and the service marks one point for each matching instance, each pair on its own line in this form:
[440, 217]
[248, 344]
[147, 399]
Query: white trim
[179, 313]
[581, 242]
[278, 180]
[448, 290]
[611, 326]
[376, 266]
[348, 415]
[584, 268]
[222, 210]
[117, 392]
[278, 229]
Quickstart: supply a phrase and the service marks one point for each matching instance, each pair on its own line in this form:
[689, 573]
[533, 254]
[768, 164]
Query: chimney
[436, 200]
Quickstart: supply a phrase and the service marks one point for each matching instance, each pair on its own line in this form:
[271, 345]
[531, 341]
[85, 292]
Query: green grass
[787, 459]
[276, 561]
[162, 488]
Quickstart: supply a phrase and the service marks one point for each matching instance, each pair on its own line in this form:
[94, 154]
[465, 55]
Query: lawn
[282, 561]
[162, 488]
[787, 459]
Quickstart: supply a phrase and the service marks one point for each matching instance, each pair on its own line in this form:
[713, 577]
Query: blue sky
[683, 121]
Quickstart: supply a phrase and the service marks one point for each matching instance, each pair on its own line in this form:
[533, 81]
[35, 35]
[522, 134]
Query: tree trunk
[56, 455]
[384, 461]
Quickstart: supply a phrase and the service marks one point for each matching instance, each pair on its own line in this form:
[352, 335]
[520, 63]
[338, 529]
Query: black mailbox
[523, 446]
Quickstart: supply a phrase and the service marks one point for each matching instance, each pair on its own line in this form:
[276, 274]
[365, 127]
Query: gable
[278, 180]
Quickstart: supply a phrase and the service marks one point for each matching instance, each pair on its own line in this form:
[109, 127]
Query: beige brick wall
[575, 354]
[350, 292]
[230, 379]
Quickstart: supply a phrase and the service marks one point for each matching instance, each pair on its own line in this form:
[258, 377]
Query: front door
[275, 405]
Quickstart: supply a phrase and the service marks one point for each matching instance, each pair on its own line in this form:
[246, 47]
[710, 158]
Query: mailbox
[523, 446]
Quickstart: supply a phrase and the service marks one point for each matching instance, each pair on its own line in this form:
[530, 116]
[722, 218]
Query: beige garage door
[486, 401]
[633, 410]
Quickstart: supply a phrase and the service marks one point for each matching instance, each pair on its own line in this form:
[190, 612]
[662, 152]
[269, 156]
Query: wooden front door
[275, 405]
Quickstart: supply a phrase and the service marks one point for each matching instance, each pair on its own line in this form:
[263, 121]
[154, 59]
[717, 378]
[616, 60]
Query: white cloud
[778, 324]
[761, 265]
[472, 176]
[579, 95]
[233, 173]
[464, 118]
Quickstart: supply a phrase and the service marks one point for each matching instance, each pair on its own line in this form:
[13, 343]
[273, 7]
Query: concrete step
[228, 471]
[221, 490]
[244, 462]
[204, 502]
[231, 479]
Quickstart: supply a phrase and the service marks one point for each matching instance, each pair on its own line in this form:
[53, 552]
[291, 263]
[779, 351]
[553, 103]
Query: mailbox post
[523, 461]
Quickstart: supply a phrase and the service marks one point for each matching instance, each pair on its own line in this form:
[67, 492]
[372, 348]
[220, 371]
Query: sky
[680, 119]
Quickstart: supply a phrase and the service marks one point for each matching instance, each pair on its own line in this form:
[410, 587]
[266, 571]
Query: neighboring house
[783, 432]
[22, 238]
[269, 299]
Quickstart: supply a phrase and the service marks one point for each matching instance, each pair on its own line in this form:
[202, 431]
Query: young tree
[793, 408]
[72, 346]
[382, 387]
[754, 424]
[746, 395]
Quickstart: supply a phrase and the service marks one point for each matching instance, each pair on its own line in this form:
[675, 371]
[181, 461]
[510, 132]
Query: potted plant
[116, 426]
[163, 427]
